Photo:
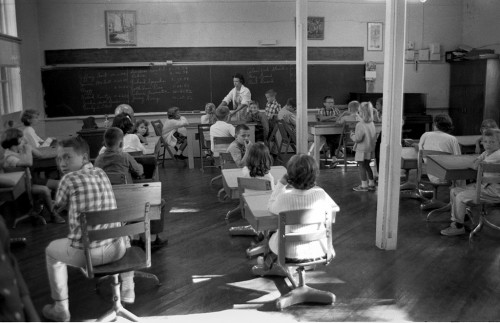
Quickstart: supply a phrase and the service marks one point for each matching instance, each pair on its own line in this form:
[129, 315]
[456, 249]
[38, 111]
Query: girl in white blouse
[131, 141]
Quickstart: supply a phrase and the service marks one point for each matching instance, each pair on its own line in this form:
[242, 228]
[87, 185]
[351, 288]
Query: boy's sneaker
[360, 188]
[452, 230]
[127, 295]
[53, 313]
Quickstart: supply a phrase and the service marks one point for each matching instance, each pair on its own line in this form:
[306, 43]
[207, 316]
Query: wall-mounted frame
[121, 28]
[375, 36]
[315, 28]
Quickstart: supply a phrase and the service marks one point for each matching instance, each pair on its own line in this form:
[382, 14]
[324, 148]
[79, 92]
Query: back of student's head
[259, 160]
[124, 122]
[443, 123]
[365, 111]
[489, 124]
[241, 127]
[492, 132]
[112, 137]
[79, 145]
[28, 115]
[291, 102]
[11, 138]
[172, 112]
[222, 112]
[353, 107]
[302, 171]
[210, 108]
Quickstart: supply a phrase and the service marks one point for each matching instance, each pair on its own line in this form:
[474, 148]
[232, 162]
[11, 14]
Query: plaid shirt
[87, 189]
[272, 109]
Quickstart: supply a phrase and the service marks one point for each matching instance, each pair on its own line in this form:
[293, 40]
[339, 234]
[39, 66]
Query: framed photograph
[375, 36]
[315, 28]
[121, 28]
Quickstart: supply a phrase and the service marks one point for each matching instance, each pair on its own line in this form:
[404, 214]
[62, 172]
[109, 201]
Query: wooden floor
[206, 274]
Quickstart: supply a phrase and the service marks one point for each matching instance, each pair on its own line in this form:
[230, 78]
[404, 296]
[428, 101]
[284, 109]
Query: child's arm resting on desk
[280, 188]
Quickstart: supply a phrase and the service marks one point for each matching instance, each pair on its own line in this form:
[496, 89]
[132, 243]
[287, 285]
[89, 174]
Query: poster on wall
[375, 36]
[121, 28]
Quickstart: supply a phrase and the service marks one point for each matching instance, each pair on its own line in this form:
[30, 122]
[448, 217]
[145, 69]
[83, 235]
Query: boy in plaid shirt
[82, 188]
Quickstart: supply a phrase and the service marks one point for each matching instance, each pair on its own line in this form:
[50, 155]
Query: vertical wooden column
[390, 149]
[301, 61]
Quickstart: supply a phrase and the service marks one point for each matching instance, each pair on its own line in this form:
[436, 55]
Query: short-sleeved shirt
[31, 137]
[87, 189]
[220, 129]
[272, 109]
[10, 158]
[439, 141]
[243, 96]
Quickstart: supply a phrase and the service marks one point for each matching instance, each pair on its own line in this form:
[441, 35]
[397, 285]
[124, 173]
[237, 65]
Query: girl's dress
[365, 138]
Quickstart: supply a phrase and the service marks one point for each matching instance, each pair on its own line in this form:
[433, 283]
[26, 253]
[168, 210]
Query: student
[141, 129]
[351, 115]
[131, 142]
[18, 153]
[258, 163]
[440, 139]
[30, 118]
[240, 146]
[486, 124]
[254, 115]
[82, 188]
[364, 138]
[289, 113]
[459, 196]
[296, 190]
[272, 106]
[377, 111]
[330, 113]
[15, 302]
[209, 116]
[239, 95]
[221, 128]
[377, 117]
[174, 132]
[114, 160]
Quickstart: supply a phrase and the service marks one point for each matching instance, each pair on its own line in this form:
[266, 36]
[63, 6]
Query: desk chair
[288, 137]
[136, 221]
[116, 178]
[493, 177]
[273, 141]
[244, 183]
[158, 127]
[302, 293]
[14, 182]
[225, 162]
[220, 147]
[423, 180]
[204, 143]
[150, 167]
[345, 139]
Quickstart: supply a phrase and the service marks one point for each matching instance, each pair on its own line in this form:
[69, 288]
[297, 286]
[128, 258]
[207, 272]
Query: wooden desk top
[125, 191]
[409, 157]
[235, 123]
[451, 167]
[256, 212]
[151, 146]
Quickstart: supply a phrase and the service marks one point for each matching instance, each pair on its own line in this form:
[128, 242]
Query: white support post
[390, 149]
[301, 61]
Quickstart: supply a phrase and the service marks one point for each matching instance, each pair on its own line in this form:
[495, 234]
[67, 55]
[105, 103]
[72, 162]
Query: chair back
[116, 178]
[226, 161]
[302, 217]
[204, 136]
[150, 166]
[222, 143]
[256, 184]
[487, 173]
[157, 126]
[421, 158]
[287, 130]
[134, 217]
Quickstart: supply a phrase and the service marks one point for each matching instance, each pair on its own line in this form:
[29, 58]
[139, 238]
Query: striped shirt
[87, 189]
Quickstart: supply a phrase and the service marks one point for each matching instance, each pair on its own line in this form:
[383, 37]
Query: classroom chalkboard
[79, 91]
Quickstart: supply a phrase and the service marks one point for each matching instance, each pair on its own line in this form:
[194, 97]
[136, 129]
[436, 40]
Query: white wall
[76, 24]
[481, 24]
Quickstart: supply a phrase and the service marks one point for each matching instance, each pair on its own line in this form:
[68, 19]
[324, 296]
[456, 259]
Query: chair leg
[304, 294]
[243, 230]
[445, 208]
[229, 213]
[477, 228]
[215, 178]
[118, 309]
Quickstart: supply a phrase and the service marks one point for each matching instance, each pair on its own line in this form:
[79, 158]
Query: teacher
[239, 95]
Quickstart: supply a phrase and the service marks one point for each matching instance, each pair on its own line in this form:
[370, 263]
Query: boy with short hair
[254, 115]
[241, 145]
[221, 128]
[113, 159]
[82, 188]
[272, 106]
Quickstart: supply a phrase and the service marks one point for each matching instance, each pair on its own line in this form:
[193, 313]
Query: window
[10, 71]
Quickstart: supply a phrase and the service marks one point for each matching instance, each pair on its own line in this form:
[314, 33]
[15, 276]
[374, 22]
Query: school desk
[318, 129]
[153, 145]
[409, 157]
[230, 179]
[192, 131]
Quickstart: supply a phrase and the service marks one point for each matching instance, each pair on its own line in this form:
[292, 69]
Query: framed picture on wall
[121, 28]
[315, 28]
[375, 41]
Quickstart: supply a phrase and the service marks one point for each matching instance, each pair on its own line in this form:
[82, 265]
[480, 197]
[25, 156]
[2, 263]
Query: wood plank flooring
[206, 274]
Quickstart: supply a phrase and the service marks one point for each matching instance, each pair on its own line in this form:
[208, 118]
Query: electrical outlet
[410, 45]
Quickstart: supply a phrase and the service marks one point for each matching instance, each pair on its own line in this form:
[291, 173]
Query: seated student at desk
[131, 142]
[30, 118]
[240, 146]
[209, 116]
[330, 113]
[485, 125]
[296, 190]
[459, 196]
[141, 129]
[351, 115]
[221, 128]
[289, 113]
[258, 163]
[174, 132]
[272, 106]
[254, 115]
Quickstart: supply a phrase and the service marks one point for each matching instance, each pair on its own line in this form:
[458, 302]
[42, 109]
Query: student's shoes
[452, 230]
[158, 243]
[372, 188]
[56, 218]
[334, 164]
[127, 295]
[54, 313]
[360, 188]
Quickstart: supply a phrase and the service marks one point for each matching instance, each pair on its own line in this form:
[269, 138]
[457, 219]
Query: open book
[47, 142]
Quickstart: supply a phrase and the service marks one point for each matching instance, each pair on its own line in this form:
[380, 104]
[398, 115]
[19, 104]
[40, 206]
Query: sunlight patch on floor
[182, 210]
[203, 278]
